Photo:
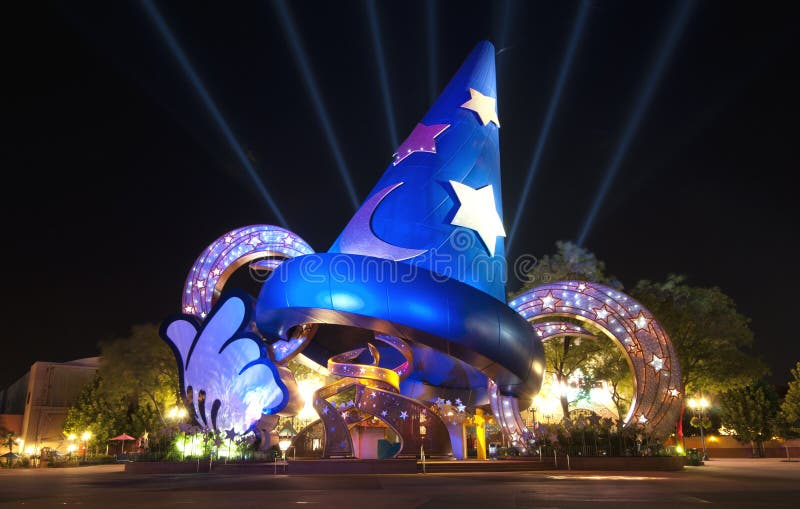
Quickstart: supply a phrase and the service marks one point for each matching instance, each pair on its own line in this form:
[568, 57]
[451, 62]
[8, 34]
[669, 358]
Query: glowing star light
[548, 301]
[657, 363]
[641, 321]
[484, 106]
[421, 139]
[478, 212]
[601, 313]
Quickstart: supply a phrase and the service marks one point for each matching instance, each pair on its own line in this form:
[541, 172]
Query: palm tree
[8, 437]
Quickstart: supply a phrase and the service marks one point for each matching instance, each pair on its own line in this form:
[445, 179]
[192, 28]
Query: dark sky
[116, 177]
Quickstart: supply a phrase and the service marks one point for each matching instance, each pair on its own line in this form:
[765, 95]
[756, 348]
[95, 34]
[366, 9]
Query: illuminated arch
[219, 261]
[650, 353]
[506, 408]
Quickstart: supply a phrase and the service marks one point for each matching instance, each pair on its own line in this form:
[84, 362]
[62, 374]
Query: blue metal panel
[418, 213]
[408, 302]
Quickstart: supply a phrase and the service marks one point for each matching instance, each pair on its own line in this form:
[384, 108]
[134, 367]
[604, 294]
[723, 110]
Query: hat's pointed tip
[410, 213]
[485, 45]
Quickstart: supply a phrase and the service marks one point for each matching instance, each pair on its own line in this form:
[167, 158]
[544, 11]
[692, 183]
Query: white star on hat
[484, 105]
[478, 212]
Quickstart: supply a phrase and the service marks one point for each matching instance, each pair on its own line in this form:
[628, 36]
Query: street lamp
[285, 436]
[698, 407]
[176, 413]
[71, 448]
[536, 403]
[85, 439]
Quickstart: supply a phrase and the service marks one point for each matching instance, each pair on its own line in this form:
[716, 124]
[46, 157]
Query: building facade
[36, 404]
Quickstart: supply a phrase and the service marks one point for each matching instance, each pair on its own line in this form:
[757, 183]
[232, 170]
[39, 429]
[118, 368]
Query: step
[486, 466]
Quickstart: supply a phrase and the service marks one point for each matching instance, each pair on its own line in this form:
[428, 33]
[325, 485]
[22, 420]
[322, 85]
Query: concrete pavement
[726, 483]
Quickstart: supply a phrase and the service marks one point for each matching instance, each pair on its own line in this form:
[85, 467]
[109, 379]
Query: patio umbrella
[10, 456]
[123, 437]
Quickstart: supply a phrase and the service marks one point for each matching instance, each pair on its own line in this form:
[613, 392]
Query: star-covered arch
[650, 353]
[221, 258]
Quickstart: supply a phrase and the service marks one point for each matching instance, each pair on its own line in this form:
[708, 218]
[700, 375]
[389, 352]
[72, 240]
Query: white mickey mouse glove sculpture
[226, 375]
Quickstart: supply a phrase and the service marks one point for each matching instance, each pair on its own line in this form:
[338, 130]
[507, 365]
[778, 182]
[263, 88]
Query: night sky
[116, 177]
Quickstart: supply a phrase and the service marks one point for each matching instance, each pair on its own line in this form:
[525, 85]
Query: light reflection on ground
[606, 477]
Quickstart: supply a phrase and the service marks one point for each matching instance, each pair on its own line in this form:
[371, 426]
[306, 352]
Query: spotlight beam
[640, 107]
[310, 82]
[555, 100]
[374, 29]
[433, 50]
[502, 29]
[505, 24]
[208, 102]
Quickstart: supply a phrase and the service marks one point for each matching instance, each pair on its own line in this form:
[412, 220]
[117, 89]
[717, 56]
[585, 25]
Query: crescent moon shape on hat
[359, 239]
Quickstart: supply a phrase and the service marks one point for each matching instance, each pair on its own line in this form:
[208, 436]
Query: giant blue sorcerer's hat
[438, 205]
[435, 218]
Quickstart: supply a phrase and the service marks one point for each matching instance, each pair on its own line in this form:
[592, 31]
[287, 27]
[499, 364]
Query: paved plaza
[726, 483]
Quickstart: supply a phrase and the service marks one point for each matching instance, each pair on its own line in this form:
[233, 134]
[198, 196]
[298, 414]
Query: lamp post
[85, 438]
[176, 413]
[71, 448]
[698, 407]
[285, 436]
[284, 442]
[536, 403]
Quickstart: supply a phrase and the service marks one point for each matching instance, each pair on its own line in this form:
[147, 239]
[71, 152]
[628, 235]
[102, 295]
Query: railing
[604, 448]
[281, 462]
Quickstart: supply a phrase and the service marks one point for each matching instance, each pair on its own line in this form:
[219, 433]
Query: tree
[790, 408]
[565, 355]
[750, 413]
[570, 262]
[8, 438]
[141, 367]
[94, 411]
[711, 337]
[610, 364]
[137, 380]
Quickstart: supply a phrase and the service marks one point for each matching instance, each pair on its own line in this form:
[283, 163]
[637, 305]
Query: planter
[662, 463]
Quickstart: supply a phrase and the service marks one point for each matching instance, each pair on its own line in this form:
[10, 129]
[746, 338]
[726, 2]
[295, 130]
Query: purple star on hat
[421, 139]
